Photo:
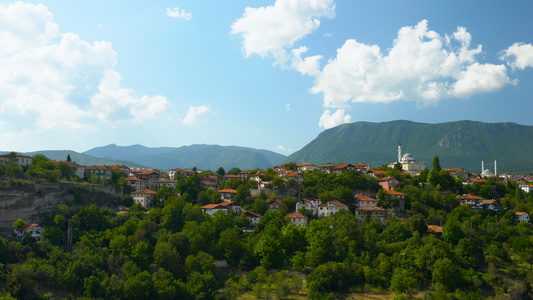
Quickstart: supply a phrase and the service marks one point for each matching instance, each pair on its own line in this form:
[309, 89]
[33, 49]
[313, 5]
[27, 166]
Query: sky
[271, 75]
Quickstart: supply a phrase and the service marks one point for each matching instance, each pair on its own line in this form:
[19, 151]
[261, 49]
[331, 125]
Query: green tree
[436, 164]
[68, 157]
[19, 224]
[403, 281]
[221, 172]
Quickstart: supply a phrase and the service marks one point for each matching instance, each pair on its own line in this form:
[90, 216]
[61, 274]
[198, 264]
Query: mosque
[408, 162]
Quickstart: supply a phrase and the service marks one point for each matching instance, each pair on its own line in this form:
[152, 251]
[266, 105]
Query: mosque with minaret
[408, 162]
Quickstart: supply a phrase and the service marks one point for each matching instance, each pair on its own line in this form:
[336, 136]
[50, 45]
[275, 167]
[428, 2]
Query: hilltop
[458, 144]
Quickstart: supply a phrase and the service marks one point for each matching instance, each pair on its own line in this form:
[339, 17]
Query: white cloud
[288, 106]
[422, 66]
[56, 81]
[270, 30]
[176, 13]
[519, 56]
[283, 148]
[193, 113]
[328, 120]
[307, 66]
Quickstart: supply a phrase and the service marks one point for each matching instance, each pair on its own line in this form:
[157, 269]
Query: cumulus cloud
[177, 13]
[193, 113]
[269, 31]
[518, 56]
[51, 80]
[328, 120]
[287, 106]
[422, 66]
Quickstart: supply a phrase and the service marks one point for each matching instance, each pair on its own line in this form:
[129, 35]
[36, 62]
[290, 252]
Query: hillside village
[280, 183]
[201, 234]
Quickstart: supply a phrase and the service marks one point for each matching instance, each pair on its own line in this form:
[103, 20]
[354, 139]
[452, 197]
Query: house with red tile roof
[388, 183]
[135, 183]
[305, 167]
[371, 212]
[34, 230]
[328, 169]
[22, 160]
[229, 177]
[296, 176]
[437, 230]
[253, 217]
[339, 169]
[297, 219]
[233, 207]
[330, 208]
[227, 194]
[275, 205]
[209, 183]
[165, 182]
[469, 199]
[101, 172]
[210, 209]
[521, 216]
[362, 201]
[399, 196]
[363, 168]
[143, 197]
[309, 204]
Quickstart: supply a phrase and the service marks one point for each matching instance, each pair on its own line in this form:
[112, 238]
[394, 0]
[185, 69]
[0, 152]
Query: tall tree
[68, 157]
[436, 164]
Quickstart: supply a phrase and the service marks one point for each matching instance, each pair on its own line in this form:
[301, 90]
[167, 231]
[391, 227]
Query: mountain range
[458, 144]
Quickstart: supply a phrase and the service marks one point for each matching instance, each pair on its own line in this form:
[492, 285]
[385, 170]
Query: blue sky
[263, 74]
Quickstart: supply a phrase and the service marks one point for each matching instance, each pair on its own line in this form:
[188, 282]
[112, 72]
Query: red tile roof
[338, 203]
[469, 197]
[297, 215]
[228, 191]
[362, 197]
[144, 192]
[435, 228]
[391, 192]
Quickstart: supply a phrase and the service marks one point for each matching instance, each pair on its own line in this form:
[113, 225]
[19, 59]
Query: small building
[143, 197]
[34, 230]
[254, 218]
[436, 230]
[232, 207]
[330, 208]
[371, 212]
[22, 160]
[210, 209]
[165, 182]
[362, 201]
[227, 194]
[209, 183]
[298, 219]
[494, 205]
[305, 167]
[229, 177]
[275, 205]
[101, 172]
[388, 183]
[399, 196]
[343, 168]
[474, 201]
[309, 204]
[521, 216]
[135, 183]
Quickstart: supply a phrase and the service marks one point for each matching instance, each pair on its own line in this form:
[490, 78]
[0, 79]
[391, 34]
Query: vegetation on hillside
[174, 251]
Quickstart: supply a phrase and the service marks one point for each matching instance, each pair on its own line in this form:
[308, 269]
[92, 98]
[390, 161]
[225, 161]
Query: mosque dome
[407, 158]
[487, 173]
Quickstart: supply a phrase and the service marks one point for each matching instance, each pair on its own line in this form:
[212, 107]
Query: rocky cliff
[33, 203]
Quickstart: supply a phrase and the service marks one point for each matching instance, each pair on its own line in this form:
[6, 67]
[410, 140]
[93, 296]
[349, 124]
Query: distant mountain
[205, 157]
[458, 144]
[82, 159]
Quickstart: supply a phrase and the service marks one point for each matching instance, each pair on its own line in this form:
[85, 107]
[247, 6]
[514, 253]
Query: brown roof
[371, 208]
[391, 192]
[144, 192]
[469, 197]
[228, 191]
[297, 215]
[435, 228]
[362, 197]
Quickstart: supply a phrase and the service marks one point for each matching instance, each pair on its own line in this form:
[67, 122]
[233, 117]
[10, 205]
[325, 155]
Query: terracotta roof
[231, 176]
[297, 215]
[144, 192]
[210, 206]
[338, 203]
[435, 228]
[469, 197]
[477, 179]
[362, 197]
[342, 166]
[452, 169]
[253, 214]
[304, 165]
[133, 179]
[16, 154]
[387, 179]
[520, 213]
[391, 192]
[30, 226]
[228, 191]
[229, 203]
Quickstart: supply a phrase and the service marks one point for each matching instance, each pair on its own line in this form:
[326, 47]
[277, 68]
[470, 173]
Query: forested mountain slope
[458, 144]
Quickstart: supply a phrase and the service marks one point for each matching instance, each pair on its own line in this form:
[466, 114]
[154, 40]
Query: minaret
[399, 151]
[482, 166]
[495, 169]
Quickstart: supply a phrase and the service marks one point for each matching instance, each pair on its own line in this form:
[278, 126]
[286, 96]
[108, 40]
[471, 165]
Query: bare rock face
[34, 203]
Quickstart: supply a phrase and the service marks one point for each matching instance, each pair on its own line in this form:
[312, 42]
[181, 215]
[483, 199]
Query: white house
[522, 216]
[34, 230]
[143, 197]
[330, 208]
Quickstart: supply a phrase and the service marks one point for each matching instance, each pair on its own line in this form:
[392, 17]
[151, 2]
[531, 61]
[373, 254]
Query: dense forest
[174, 251]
